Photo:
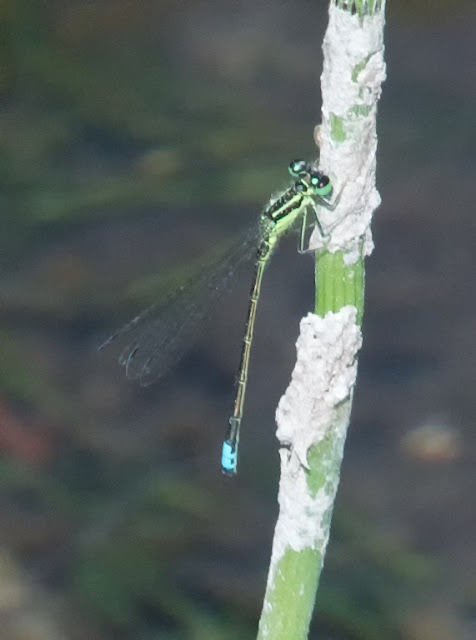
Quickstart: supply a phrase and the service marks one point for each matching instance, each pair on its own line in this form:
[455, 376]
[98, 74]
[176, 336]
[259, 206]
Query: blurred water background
[136, 138]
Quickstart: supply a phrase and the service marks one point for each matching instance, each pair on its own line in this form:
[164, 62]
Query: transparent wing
[160, 335]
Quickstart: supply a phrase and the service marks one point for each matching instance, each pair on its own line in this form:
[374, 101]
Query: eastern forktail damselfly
[159, 340]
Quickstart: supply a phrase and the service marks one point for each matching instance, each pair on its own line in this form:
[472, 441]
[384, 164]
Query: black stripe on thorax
[290, 200]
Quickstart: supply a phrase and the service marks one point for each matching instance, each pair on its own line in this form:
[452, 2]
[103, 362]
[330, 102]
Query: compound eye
[319, 180]
[298, 167]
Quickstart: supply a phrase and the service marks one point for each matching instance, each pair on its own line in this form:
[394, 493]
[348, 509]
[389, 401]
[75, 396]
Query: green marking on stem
[360, 66]
[359, 111]
[360, 7]
[337, 128]
[321, 460]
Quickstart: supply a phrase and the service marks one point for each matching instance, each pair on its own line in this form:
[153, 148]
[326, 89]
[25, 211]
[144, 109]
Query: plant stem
[313, 415]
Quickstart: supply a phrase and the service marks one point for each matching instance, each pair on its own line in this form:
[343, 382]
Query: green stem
[314, 413]
[338, 284]
[292, 588]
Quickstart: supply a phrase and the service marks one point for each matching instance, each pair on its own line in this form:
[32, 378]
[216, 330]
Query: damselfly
[311, 188]
[158, 340]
